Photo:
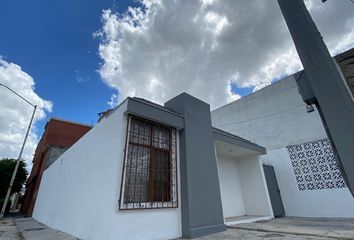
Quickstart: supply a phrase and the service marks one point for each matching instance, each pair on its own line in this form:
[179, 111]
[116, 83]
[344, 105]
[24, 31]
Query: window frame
[173, 174]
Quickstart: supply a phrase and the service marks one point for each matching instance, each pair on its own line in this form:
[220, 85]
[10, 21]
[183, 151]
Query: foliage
[7, 167]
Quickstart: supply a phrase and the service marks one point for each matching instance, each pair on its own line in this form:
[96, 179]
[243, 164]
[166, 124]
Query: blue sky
[53, 42]
[213, 50]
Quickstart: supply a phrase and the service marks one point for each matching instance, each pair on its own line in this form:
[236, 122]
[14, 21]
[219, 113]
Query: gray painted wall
[54, 152]
[154, 112]
[200, 191]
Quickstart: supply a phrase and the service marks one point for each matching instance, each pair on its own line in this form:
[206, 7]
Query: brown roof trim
[67, 121]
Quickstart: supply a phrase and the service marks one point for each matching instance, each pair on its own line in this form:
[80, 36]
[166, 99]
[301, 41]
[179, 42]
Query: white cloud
[113, 101]
[166, 47]
[78, 77]
[15, 114]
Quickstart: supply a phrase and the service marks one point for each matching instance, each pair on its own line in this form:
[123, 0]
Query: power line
[264, 116]
[352, 1]
[333, 24]
[269, 115]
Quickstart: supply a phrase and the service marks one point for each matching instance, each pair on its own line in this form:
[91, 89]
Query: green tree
[7, 167]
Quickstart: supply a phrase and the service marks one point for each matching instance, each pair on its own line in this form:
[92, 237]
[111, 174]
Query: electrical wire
[269, 115]
[261, 117]
[264, 95]
[333, 24]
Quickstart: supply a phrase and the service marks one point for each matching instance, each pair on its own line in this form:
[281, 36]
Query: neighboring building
[147, 171]
[58, 136]
[345, 62]
[309, 180]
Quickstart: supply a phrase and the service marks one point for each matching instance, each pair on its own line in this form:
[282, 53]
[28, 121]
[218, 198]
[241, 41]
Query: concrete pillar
[334, 101]
[200, 190]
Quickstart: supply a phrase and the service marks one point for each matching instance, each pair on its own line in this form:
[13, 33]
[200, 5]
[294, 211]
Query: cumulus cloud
[163, 48]
[15, 114]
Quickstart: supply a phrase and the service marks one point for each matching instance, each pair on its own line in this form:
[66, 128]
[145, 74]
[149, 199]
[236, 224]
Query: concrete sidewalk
[9, 230]
[240, 234]
[34, 230]
[29, 229]
[317, 227]
[281, 228]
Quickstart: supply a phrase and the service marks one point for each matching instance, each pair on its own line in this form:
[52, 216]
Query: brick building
[58, 136]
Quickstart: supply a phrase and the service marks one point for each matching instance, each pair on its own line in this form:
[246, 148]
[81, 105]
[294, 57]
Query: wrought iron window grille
[149, 178]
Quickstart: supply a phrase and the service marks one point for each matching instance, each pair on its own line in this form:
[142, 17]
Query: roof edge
[68, 121]
[236, 140]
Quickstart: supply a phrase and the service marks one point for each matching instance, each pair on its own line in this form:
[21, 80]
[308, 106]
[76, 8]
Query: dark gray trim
[233, 139]
[201, 205]
[202, 231]
[163, 108]
[274, 191]
[154, 112]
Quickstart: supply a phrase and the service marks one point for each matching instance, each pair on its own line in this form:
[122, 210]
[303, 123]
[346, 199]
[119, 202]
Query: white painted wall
[254, 189]
[79, 192]
[314, 203]
[230, 187]
[275, 117]
[243, 187]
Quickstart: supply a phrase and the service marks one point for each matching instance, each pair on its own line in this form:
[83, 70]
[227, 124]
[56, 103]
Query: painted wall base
[203, 231]
[250, 220]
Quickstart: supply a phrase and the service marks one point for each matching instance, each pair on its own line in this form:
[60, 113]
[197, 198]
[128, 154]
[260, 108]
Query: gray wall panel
[154, 113]
[200, 191]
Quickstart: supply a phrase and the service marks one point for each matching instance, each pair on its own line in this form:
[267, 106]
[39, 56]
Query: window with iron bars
[149, 177]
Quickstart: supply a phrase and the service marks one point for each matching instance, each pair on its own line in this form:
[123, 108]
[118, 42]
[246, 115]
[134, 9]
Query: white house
[148, 171]
[297, 147]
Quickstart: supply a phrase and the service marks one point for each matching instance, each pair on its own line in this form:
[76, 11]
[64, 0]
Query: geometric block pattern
[315, 167]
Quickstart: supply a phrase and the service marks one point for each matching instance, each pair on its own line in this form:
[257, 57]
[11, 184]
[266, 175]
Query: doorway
[274, 192]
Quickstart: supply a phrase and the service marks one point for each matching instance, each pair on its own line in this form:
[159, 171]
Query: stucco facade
[241, 193]
[276, 118]
[85, 202]
[58, 136]
[79, 192]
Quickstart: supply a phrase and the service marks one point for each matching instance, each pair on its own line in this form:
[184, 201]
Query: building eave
[154, 112]
[236, 140]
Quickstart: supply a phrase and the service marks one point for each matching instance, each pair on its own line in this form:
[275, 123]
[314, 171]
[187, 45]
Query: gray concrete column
[200, 190]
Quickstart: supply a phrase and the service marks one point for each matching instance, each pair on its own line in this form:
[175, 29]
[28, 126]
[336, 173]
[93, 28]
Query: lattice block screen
[315, 166]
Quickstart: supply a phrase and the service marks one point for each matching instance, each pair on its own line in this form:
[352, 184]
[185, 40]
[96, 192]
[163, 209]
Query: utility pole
[323, 85]
[20, 155]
